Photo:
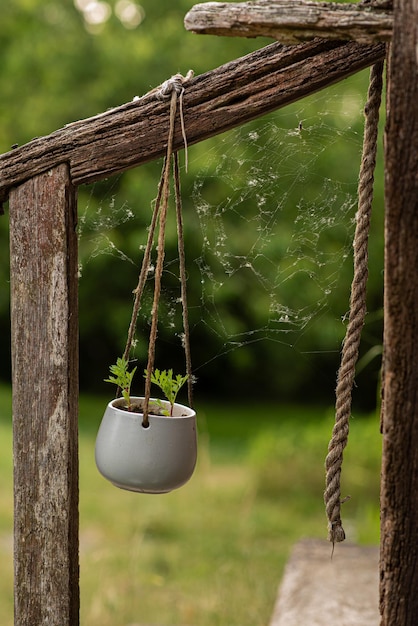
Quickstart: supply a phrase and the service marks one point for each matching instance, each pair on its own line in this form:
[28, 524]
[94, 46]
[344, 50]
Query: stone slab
[317, 590]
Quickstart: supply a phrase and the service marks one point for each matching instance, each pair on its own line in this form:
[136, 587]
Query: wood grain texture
[399, 488]
[43, 251]
[292, 21]
[214, 102]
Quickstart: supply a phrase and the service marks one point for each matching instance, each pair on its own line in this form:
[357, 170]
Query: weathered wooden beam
[292, 21]
[399, 489]
[43, 274]
[214, 102]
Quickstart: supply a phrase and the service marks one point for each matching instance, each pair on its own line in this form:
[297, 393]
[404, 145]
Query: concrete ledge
[318, 591]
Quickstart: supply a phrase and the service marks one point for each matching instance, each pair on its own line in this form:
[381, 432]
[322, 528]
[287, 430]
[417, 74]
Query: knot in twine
[345, 380]
[174, 87]
[174, 84]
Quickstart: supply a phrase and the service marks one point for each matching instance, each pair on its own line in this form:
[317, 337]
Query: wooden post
[43, 250]
[399, 490]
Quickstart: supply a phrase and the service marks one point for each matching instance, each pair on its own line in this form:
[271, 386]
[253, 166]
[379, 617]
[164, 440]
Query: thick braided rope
[345, 380]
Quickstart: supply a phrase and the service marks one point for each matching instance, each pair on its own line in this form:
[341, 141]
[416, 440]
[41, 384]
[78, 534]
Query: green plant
[122, 378]
[169, 385]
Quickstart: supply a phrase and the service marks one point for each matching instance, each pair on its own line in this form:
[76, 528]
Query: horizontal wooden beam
[214, 102]
[292, 21]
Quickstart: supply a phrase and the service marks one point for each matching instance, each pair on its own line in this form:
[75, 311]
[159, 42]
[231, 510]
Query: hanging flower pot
[147, 445]
[156, 458]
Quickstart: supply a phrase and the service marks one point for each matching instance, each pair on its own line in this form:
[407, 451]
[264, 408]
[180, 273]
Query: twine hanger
[345, 380]
[174, 88]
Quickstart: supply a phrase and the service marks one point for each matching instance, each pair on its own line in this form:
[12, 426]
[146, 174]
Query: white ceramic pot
[156, 459]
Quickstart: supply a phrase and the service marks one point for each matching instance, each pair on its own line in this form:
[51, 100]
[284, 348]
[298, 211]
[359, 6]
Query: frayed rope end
[336, 532]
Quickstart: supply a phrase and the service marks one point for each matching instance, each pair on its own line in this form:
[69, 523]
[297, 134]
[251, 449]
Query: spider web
[269, 212]
[304, 263]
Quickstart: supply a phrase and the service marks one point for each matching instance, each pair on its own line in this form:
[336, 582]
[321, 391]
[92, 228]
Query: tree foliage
[59, 64]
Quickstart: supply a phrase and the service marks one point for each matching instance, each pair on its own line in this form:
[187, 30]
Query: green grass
[212, 552]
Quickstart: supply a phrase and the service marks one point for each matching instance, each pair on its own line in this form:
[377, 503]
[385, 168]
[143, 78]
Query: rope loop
[174, 88]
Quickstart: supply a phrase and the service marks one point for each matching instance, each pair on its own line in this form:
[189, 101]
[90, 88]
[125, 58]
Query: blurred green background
[269, 217]
[60, 63]
[211, 553]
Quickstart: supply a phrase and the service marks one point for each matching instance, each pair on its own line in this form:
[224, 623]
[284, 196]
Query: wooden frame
[41, 178]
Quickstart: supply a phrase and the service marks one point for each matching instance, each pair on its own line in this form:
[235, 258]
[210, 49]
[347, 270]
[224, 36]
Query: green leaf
[169, 386]
[122, 378]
